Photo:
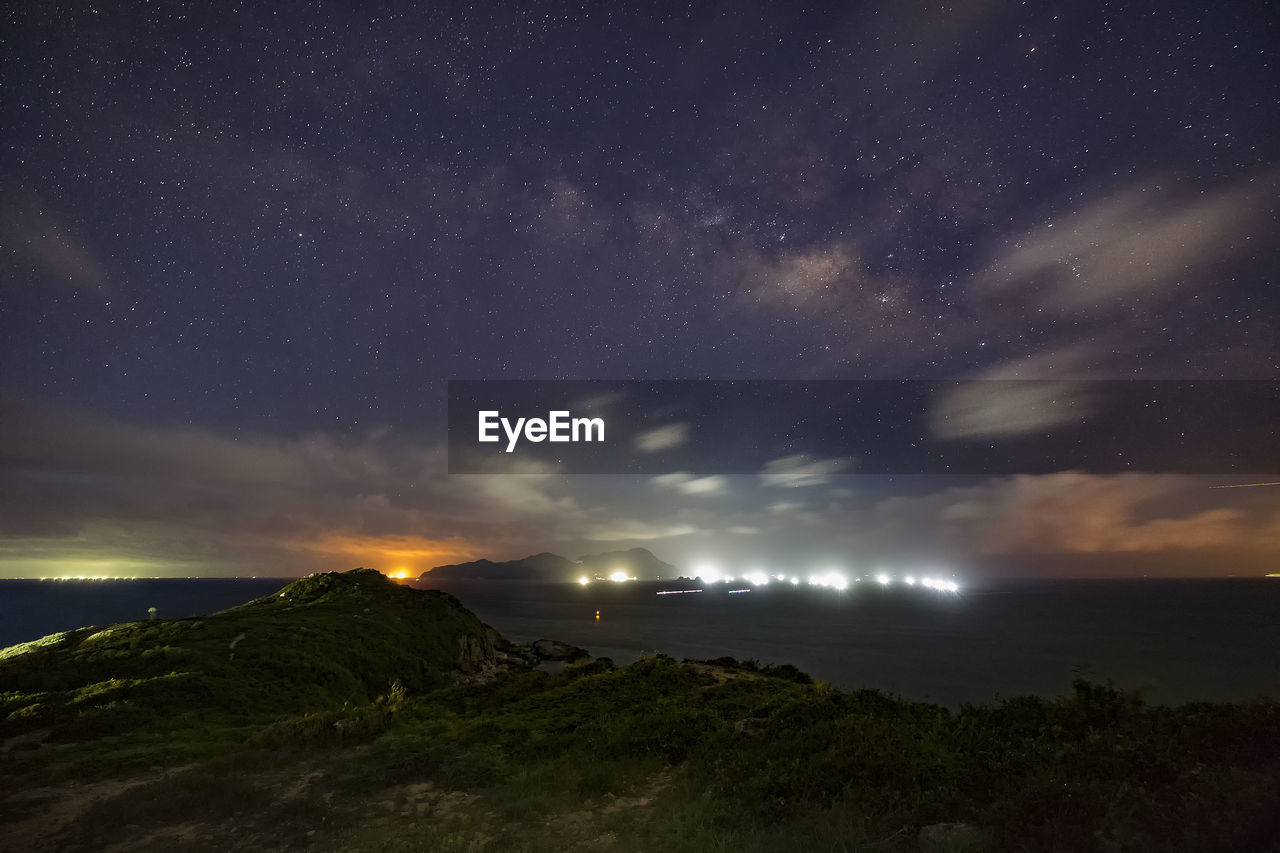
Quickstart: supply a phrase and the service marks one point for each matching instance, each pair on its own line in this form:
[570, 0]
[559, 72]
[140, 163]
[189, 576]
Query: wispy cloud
[663, 438]
[688, 484]
[50, 250]
[802, 470]
[1138, 243]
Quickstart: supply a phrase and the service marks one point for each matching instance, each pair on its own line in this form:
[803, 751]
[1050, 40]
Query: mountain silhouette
[636, 562]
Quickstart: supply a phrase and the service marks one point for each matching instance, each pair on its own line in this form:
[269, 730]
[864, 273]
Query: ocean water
[30, 609]
[1175, 640]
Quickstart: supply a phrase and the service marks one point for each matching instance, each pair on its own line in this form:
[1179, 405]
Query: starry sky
[243, 247]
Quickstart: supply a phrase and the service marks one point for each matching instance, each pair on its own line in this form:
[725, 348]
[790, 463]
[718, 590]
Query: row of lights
[616, 577]
[97, 578]
[830, 579]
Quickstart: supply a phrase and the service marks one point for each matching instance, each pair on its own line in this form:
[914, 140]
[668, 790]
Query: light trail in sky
[1244, 485]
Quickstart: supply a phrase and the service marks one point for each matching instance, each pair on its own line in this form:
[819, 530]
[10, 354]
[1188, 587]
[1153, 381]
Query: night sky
[243, 246]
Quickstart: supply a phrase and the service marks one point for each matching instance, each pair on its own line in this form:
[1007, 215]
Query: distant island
[637, 563]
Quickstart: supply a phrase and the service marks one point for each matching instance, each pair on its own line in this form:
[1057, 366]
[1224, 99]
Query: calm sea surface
[1177, 640]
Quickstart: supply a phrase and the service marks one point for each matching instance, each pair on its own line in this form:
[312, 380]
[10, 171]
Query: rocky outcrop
[546, 650]
[483, 659]
[476, 655]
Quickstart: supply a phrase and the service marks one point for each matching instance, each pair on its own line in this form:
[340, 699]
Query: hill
[637, 562]
[320, 642]
[542, 567]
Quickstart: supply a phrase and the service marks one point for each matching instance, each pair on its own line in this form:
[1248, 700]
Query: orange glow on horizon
[394, 549]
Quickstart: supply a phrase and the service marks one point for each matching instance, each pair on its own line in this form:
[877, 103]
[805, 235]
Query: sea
[1174, 641]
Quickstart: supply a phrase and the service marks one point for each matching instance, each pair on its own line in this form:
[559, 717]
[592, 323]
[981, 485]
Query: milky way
[242, 248]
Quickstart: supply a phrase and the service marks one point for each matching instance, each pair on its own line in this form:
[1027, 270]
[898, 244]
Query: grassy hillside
[320, 642]
[300, 742]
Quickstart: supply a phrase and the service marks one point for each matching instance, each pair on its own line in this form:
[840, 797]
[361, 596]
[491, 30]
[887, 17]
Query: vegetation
[345, 717]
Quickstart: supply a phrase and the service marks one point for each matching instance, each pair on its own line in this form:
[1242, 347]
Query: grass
[322, 642]
[348, 724]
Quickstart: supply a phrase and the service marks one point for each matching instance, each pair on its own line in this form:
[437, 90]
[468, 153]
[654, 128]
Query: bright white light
[795, 580]
[707, 573]
[757, 578]
[951, 586]
[620, 576]
[584, 580]
[909, 580]
[832, 580]
[883, 579]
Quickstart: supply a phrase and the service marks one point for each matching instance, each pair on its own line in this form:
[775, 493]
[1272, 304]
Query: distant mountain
[538, 567]
[637, 563]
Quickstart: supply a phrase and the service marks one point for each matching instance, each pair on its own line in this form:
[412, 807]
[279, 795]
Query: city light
[832, 580]
[707, 572]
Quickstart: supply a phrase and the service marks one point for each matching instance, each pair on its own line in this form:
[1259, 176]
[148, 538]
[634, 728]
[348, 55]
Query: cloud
[713, 485]
[987, 409]
[662, 438]
[1137, 243]
[1018, 397]
[600, 402]
[83, 491]
[185, 494]
[1070, 513]
[688, 484]
[620, 530]
[801, 470]
[420, 549]
[50, 247]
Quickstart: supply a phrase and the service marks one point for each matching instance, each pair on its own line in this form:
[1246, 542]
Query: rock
[475, 656]
[556, 650]
[954, 838]
[484, 658]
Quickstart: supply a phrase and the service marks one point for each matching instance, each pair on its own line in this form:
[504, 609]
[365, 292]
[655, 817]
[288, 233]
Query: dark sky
[243, 246]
